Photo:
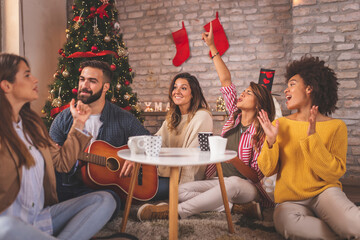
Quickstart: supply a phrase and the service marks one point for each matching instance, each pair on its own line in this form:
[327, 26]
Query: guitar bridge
[140, 175]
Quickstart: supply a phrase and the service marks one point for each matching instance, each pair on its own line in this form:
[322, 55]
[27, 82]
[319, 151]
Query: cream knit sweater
[186, 136]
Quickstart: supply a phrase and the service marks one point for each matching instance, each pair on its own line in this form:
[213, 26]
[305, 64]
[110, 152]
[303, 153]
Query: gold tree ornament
[57, 101]
[127, 96]
[65, 73]
[118, 86]
[107, 38]
[220, 105]
[96, 29]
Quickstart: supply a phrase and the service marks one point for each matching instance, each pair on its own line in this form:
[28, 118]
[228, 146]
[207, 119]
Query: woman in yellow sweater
[307, 150]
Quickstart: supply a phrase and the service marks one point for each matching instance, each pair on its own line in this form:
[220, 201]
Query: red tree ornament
[73, 7]
[85, 39]
[130, 69]
[113, 67]
[127, 83]
[60, 51]
[94, 49]
[74, 91]
[63, 54]
[92, 9]
[80, 69]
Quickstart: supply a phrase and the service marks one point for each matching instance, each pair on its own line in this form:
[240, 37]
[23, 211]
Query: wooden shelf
[164, 113]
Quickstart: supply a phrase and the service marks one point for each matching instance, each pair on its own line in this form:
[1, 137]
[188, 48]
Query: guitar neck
[92, 158]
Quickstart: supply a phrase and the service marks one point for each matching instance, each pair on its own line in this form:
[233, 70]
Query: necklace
[243, 128]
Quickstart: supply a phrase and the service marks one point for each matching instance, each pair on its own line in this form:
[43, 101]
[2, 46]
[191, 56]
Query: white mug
[153, 145]
[217, 144]
[136, 144]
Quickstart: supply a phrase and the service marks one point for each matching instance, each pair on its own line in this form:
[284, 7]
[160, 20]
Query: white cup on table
[217, 144]
[136, 144]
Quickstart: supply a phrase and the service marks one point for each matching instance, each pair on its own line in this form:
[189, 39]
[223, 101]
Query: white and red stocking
[182, 46]
[220, 39]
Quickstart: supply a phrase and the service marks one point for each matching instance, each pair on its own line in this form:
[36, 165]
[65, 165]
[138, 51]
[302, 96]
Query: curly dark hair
[320, 78]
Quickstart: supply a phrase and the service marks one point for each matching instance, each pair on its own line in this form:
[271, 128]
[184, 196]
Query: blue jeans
[77, 218]
[163, 189]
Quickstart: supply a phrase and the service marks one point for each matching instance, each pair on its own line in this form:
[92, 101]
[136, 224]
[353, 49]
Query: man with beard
[107, 122]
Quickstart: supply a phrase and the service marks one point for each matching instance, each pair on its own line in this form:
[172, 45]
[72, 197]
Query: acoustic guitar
[102, 168]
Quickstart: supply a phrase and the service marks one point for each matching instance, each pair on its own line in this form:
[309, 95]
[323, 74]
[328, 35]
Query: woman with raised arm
[245, 136]
[28, 200]
[307, 150]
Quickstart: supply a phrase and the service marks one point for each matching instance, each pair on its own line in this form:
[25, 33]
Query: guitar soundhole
[112, 164]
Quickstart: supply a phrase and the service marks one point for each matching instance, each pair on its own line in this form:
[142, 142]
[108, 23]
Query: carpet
[210, 225]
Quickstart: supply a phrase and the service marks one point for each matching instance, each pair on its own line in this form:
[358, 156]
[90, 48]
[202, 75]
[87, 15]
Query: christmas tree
[93, 33]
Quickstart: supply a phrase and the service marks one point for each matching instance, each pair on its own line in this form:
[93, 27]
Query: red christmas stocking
[182, 46]
[220, 39]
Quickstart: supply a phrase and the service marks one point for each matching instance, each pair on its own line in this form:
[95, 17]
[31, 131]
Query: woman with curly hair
[307, 150]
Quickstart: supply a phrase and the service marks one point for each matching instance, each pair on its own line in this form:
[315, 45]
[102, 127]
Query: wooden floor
[353, 193]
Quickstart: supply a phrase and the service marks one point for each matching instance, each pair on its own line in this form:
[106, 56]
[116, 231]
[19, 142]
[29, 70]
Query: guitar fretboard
[92, 158]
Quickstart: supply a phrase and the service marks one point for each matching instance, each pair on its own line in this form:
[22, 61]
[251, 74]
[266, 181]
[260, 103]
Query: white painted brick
[304, 11]
[341, 75]
[310, 20]
[271, 55]
[347, 65]
[349, 56]
[349, 17]
[328, 8]
[339, 38]
[242, 58]
[352, 6]
[348, 28]
[322, 48]
[312, 39]
[352, 103]
[353, 37]
[250, 11]
[347, 46]
[302, 29]
[301, 49]
[326, 29]
[253, 17]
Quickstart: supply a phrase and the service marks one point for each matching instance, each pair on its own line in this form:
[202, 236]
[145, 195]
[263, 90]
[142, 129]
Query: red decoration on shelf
[74, 91]
[130, 69]
[85, 39]
[60, 51]
[94, 49]
[113, 67]
[127, 83]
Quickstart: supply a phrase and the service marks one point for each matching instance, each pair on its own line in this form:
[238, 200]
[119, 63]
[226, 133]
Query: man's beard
[92, 98]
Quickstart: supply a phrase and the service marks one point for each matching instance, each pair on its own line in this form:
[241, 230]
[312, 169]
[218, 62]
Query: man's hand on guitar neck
[127, 169]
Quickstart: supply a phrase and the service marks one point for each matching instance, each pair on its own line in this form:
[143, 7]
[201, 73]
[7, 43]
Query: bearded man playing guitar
[107, 122]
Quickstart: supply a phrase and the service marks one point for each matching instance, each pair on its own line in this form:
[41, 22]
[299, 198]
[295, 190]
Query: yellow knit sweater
[306, 165]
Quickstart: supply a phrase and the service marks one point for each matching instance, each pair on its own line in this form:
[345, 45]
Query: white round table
[175, 158]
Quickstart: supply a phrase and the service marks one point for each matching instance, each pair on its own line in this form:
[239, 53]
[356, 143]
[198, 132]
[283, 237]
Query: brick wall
[261, 33]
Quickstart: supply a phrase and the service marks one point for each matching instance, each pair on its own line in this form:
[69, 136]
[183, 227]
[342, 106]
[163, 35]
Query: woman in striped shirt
[245, 135]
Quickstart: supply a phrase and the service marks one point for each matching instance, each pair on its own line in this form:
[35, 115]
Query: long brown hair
[9, 66]
[264, 101]
[198, 101]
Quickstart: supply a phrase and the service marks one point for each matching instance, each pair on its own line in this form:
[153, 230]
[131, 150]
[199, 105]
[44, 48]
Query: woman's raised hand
[312, 120]
[80, 113]
[270, 130]
[208, 37]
